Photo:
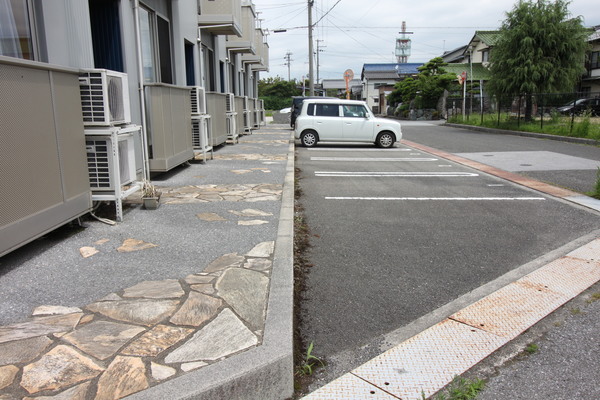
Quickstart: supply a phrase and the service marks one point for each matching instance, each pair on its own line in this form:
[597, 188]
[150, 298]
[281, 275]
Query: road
[399, 233]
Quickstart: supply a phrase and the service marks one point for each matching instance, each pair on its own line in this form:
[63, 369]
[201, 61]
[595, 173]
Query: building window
[16, 39]
[595, 60]
[106, 34]
[155, 35]
[485, 55]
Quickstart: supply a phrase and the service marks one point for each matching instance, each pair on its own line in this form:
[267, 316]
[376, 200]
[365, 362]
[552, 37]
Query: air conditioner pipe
[138, 45]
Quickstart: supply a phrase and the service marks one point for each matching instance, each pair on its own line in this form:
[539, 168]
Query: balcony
[223, 17]
[168, 113]
[44, 182]
[245, 42]
[264, 55]
[258, 42]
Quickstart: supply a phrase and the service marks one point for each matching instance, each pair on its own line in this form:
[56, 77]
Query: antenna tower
[403, 45]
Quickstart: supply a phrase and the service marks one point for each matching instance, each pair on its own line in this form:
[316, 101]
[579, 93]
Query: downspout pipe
[140, 67]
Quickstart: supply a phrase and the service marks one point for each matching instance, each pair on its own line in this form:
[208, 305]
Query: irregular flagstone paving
[251, 157]
[142, 335]
[214, 193]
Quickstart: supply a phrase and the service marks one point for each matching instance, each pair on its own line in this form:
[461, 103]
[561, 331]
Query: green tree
[426, 88]
[277, 93]
[541, 49]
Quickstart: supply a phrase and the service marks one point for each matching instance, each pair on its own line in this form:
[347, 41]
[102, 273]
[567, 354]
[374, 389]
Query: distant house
[383, 76]
[455, 56]
[473, 59]
[591, 80]
[339, 85]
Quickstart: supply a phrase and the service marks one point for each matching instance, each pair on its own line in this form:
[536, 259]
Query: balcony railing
[216, 106]
[44, 180]
[245, 42]
[223, 17]
[168, 113]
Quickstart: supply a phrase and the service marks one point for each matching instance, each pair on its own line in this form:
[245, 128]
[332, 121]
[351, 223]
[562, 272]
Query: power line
[328, 11]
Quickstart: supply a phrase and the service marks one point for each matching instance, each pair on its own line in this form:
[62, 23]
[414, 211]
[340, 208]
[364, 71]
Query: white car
[336, 120]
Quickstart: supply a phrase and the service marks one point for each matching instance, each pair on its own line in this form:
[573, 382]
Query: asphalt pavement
[579, 158]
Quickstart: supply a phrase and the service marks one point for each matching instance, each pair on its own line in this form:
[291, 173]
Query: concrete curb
[526, 134]
[264, 372]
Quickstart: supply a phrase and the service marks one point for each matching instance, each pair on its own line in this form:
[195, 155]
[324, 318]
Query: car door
[357, 126]
[327, 121]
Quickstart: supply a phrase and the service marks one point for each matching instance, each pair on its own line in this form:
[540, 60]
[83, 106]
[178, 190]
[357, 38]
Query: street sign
[348, 76]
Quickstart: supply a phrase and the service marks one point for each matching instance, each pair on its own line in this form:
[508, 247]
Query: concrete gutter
[264, 372]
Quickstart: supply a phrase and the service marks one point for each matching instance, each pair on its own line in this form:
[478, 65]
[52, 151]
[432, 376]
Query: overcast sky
[354, 32]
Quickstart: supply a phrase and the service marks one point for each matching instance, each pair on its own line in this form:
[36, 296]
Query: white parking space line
[397, 174]
[344, 150]
[387, 159]
[438, 198]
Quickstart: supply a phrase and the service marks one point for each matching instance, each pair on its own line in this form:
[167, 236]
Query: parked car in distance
[344, 121]
[297, 106]
[581, 106]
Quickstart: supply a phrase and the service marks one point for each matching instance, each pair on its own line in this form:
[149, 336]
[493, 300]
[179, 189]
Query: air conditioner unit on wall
[198, 100]
[111, 159]
[104, 97]
[200, 132]
[201, 136]
[230, 102]
[231, 127]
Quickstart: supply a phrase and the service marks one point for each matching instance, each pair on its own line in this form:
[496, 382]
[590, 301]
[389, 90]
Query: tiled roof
[488, 37]
[389, 71]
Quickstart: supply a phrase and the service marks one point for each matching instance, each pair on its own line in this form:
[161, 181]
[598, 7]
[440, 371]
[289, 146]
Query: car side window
[354, 111]
[310, 110]
[327, 110]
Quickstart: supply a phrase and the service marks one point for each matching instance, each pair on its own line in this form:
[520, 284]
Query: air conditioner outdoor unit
[247, 120]
[201, 136]
[200, 133]
[231, 127]
[229, 102]
[111, 159]
[104, 97]
[198, 100]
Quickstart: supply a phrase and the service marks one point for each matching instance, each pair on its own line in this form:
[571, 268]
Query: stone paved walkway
[140, 336]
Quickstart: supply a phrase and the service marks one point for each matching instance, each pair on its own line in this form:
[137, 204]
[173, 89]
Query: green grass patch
[583, 127]
[460, 389]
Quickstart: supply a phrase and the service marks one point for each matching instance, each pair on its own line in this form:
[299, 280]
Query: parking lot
[398, 233]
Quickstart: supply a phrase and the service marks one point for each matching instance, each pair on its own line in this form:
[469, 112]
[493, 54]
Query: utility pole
[319, 49]
[288, 59]
[311, 84]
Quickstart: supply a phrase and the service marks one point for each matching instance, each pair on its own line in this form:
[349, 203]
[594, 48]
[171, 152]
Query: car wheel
[309, 138]
[385, 140]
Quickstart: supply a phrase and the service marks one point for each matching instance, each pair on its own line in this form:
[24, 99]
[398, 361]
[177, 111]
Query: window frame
[32, 39]
[161, 71]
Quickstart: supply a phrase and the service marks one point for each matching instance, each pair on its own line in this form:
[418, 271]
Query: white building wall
[185, 28]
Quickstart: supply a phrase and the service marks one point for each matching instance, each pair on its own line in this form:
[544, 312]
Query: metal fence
[547, 110]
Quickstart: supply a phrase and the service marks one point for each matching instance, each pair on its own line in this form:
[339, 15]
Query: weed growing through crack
[310, 362]
[575, 311]
[460, 389]
[532, 348]
[596, 192]
[594, 297]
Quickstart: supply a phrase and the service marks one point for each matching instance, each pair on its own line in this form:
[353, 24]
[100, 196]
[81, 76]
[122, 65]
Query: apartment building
[95, 95]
